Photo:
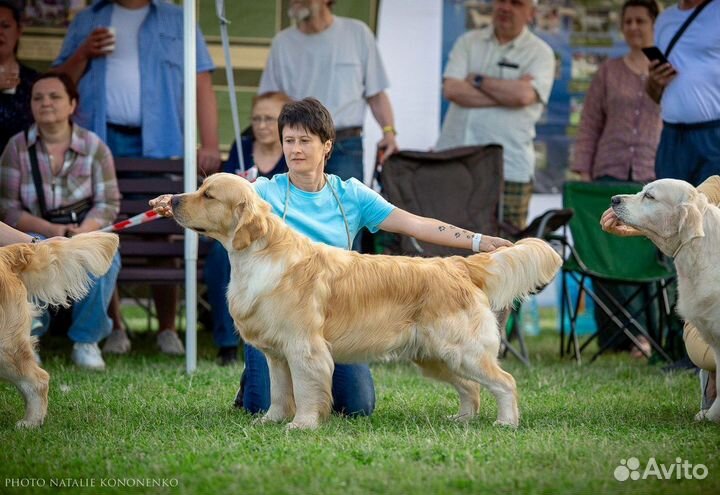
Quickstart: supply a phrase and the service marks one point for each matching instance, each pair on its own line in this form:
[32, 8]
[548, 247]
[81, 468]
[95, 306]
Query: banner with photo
[582, 33]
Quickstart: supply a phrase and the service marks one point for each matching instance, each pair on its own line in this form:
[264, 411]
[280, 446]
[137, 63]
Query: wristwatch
[478, 80]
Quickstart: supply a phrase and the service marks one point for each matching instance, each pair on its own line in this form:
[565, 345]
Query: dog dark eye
[648, 196]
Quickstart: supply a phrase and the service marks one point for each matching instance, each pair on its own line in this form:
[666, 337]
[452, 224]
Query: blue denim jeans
[217, 277]
[690, 152]
[347, 159]
[90, 321]
[353, 389]
[123, 144]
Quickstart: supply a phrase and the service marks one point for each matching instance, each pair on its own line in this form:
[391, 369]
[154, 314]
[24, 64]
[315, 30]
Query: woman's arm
[437, 232]
[9, 235]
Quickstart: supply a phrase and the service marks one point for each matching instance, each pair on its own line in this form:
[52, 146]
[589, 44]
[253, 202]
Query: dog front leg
[31, 381]
[282, 401]
[312, 383]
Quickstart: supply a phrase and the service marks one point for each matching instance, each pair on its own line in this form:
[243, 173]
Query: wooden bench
[151, 253]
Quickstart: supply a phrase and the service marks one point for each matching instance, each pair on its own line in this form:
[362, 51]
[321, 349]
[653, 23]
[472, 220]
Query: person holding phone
[617, 138]
[687, 87]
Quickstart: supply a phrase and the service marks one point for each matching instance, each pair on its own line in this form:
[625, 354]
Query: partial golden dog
[306, 305]
[682, 224]
[52, 272]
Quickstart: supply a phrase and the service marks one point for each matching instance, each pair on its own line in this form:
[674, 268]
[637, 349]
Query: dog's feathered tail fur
[41, 266]
[510, 273]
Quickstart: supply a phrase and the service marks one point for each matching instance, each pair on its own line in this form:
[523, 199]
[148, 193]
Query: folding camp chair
[595, 253]
[462, 186]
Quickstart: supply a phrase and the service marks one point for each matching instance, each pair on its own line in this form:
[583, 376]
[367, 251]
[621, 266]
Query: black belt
[125, 129]
[710, 124]
[347, 133]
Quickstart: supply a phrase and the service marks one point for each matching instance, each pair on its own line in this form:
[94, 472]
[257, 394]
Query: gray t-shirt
[339, 66]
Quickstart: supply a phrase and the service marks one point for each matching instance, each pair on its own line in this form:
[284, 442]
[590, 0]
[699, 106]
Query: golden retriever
[52, 272]
[681, 223]
[307, 305]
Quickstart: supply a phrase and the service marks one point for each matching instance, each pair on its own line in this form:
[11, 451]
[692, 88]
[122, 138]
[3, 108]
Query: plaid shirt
[88, 172]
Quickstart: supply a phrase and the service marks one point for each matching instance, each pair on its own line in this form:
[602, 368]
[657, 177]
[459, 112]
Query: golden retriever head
[225, 207]
[668, 211]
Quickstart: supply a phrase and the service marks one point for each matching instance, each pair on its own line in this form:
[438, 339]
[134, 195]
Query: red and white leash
[145, 217]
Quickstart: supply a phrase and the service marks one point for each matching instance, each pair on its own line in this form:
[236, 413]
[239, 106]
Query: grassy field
[144, 424]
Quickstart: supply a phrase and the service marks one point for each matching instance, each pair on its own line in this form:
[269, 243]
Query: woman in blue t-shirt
[330, 210]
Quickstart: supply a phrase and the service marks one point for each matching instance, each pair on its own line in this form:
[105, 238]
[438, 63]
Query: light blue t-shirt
[317, 214]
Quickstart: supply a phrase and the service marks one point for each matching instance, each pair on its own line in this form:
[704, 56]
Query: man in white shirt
[336, 60]
[688, 90]
[497, 80]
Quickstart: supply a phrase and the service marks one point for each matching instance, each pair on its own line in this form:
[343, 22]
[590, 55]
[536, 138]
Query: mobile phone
[654, 53]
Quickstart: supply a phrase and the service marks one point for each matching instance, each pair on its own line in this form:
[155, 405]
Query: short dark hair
[650, 5]
[66, 81]
[310, 115]
[13, 8]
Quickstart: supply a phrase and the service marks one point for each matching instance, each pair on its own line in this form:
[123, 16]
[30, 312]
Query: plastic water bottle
[530, 317]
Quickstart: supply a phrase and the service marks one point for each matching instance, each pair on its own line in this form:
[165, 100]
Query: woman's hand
[161, 205]
[611, 224]
[490, 243]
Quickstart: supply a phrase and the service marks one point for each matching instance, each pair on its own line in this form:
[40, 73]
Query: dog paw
[302, 425]
[506, 423]
[28, 424]
[701, 415]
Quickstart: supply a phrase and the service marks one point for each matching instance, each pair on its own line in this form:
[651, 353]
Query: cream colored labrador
[681, 222]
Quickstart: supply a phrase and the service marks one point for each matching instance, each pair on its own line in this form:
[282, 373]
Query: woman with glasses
[261, 148]
[262, 157]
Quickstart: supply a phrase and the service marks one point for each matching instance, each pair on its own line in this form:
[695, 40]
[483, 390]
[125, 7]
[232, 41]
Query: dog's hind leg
[484, 369]
[713, 414]
[468, 390]
[311, 366]
[282, 401]
[30, 379]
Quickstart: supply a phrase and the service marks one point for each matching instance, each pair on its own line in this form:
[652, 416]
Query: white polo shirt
[479, 51]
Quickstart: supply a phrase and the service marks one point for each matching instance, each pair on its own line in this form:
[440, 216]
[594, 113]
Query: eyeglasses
[263, 119]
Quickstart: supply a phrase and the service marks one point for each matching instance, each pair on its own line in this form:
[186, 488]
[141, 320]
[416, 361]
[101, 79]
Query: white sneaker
[117, 342]
[88, 356]
[169, 343]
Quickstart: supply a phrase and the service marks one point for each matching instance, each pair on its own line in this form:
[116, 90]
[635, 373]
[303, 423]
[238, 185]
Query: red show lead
[145, 217]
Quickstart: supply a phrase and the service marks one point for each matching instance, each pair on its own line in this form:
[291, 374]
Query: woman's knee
[353, 390]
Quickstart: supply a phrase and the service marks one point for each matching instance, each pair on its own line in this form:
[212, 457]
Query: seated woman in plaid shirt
[73, 165]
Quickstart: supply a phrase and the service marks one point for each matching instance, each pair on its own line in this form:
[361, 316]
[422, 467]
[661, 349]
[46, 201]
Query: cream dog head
[225, 207]
[668, 211]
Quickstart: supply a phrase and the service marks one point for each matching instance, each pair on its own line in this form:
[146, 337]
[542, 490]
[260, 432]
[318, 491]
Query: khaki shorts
[698, 350]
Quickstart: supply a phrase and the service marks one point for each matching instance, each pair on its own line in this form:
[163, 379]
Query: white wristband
[476, 240]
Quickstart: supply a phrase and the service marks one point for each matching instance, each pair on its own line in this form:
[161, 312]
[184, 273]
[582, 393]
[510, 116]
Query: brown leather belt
[125, 129]
[347, 133]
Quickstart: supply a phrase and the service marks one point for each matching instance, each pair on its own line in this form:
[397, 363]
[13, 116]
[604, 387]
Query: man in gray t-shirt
[336, 60]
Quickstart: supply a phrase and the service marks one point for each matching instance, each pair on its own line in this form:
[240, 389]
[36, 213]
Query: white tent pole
[190, 176]
[230, 76]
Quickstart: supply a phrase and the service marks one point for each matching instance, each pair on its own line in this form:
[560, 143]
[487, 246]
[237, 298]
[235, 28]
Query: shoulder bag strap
[37, 180]
[685, 25]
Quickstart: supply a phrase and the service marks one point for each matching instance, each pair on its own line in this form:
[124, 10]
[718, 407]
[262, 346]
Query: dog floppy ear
[252, 224]
[690, 219]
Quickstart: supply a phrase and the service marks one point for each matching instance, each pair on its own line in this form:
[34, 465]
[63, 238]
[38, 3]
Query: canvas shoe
[88, 356]
[169, 343]
[117, 342]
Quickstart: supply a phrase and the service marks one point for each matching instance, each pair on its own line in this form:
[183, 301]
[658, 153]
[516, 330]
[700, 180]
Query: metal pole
[190, 176]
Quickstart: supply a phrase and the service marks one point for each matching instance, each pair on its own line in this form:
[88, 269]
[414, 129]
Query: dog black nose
[175, 200]
[616, 200]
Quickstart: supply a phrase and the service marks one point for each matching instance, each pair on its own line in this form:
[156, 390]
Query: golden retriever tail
[58, 272]
[514, 272]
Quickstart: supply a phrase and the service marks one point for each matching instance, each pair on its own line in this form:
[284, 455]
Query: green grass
[144, 419]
